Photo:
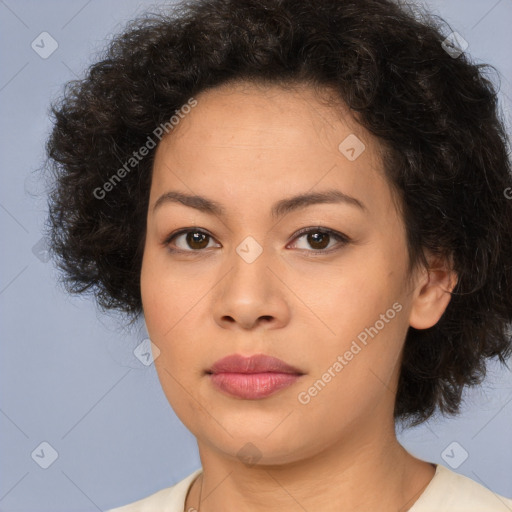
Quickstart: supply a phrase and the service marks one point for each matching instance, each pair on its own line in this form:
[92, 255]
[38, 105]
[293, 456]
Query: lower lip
[253, 386]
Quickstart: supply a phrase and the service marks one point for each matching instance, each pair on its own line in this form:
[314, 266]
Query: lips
[258, 363]
[252, 378]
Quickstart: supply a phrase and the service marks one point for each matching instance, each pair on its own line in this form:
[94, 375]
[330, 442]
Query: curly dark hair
[435, 114]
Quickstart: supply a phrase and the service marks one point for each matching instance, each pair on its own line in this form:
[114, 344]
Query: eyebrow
[279, 209]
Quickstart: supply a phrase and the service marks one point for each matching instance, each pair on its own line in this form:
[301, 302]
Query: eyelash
[340, 237]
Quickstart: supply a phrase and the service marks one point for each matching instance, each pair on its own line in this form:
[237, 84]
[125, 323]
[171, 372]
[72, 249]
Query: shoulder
[449, 491]
[170, 499]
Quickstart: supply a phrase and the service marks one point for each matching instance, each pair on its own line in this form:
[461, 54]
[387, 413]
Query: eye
[193, 240]
[319, 239]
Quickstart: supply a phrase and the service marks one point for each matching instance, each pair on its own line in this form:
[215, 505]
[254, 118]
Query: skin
[246, 147]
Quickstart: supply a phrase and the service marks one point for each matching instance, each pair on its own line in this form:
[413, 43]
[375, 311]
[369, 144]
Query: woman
[307, 202]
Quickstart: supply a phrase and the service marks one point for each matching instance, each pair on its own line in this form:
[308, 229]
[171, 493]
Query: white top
[447, 492]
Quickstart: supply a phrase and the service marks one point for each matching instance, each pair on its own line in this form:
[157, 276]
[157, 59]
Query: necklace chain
[200, 494]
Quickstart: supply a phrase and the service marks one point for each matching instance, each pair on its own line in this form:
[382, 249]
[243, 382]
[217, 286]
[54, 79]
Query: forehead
[247, 141]
[253, 114]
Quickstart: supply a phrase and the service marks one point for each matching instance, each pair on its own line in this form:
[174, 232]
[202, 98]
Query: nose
[251, 295]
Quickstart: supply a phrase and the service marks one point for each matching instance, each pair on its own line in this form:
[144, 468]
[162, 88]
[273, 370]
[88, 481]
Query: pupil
[192, 238]
[316, 239]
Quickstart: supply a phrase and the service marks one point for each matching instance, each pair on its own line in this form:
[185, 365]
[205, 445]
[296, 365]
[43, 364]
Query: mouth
[252, 378]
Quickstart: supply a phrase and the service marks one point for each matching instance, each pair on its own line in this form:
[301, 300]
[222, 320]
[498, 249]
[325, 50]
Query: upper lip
[258, 363]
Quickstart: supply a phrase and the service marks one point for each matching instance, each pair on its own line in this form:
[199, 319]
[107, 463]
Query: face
[320, 285]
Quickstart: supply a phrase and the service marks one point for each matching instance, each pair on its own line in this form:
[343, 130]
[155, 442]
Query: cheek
[168, 303]
[352, 296]
[166, 296]
[356, 374]
[177, 365]
[160, 315]
[364, 309]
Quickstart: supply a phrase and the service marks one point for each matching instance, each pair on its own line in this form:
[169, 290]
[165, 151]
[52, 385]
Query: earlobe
[432, 294]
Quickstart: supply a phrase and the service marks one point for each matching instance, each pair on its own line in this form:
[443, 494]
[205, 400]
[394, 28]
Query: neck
[365, 471]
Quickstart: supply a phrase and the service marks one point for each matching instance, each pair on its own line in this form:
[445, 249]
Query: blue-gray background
[68, 375]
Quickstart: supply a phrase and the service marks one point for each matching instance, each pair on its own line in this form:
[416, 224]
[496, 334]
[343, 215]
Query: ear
[431, 294]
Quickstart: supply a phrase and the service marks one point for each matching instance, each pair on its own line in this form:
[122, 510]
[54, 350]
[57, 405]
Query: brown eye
[318, 240]
[188, 240]
[196, 240]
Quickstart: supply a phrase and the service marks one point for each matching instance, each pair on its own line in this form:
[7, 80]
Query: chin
[253, 445]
